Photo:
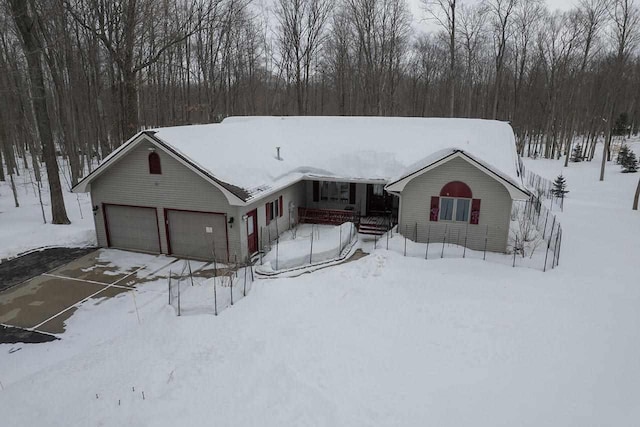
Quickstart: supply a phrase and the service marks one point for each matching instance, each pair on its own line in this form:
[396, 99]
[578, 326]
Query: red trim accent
[435, 209]
[456, 189]
[106, 221]
[252, 216]
[155, 167]
[316, 191]
[226, 229]
[325, 216]
[280, 202]
[475, 211]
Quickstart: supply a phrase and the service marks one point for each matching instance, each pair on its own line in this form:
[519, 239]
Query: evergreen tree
[576, 154]
[622, 154]
[621, 126]
[630, 163]
[559, 187]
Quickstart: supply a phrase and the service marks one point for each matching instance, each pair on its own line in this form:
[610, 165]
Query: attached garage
[132, 227]
[200, 235]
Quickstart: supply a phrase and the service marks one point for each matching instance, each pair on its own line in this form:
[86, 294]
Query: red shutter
[435, 208]
[352, 193]
[280, 203]
[316, 191]
[267, 213]
[475, 211]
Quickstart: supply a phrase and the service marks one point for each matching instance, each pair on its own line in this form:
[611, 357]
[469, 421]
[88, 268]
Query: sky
[422, 24]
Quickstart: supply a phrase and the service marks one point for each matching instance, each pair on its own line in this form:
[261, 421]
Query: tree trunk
[1, 167]
[637, 196]
[26, 28]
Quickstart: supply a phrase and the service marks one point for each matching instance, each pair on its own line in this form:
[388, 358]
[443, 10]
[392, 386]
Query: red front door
[252, 231]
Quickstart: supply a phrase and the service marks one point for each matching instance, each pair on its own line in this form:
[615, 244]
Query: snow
[22, 229]
[242, 150]
[295, 247]
[385, 340]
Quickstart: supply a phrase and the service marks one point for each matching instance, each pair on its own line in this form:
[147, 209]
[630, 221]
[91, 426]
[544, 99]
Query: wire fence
[541, 187]
[305, 245]
[190, 292]
[533, 239]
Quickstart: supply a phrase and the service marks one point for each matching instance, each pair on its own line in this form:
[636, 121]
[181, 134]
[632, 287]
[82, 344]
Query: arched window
[456, 204]
[154, 164]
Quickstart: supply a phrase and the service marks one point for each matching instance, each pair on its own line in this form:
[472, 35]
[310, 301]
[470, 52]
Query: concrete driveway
[43, 303]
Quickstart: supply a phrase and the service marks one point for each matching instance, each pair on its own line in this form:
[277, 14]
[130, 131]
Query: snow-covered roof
[240, 154]
[241, 151]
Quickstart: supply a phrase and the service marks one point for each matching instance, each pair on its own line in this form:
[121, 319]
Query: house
[222, 190]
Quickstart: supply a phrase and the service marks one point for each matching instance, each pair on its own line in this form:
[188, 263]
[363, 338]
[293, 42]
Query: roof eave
[516, 192]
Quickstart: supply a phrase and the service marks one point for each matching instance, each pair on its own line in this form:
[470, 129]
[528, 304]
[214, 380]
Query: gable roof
[239, 154]
[515, 187]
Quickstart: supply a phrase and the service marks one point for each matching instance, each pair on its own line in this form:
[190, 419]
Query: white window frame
[454, 210]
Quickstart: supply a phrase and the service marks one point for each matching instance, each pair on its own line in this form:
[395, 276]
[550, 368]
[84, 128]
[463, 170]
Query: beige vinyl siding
[294, 195]
[495, 208]
[128, 182]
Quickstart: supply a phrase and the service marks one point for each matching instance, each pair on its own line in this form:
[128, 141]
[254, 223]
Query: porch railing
[326, 216]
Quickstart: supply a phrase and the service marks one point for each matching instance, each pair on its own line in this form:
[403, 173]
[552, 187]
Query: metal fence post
[544, 269]
[466, 233]
[311, 248]
[261, 248]
[555, 248]
[388, 231]
[215, 297]
[178, 298]
[244, 288]
[544, 231]
[169, 287]
[406, 228]
[486, 238]
[426, 252]
[444, 239]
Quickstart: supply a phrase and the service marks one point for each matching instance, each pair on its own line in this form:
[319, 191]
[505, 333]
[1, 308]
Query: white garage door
[199, 235]
[133, 228]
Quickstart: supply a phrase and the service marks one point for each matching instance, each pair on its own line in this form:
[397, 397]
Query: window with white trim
[454, 209]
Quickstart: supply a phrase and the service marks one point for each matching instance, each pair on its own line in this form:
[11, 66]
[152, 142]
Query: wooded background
[79, 77]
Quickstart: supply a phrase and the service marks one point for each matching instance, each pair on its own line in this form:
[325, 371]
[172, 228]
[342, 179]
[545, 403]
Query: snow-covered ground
[23, 229]
[386, 340]
[308, 244]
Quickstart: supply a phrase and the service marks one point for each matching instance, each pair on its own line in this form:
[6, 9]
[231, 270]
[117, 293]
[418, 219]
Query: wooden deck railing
[326, 216]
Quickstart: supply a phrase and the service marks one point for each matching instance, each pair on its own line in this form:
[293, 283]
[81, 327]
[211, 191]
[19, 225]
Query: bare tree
[444, 13]
[302, 26]
[27, 28]
[501, 12]
[473, 36]
[134, 39]
[624, 16]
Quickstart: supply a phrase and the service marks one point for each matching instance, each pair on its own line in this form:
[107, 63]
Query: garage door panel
[134, 228]
[197, 234]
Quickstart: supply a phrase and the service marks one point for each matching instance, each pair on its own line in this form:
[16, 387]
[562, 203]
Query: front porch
[369, 224]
